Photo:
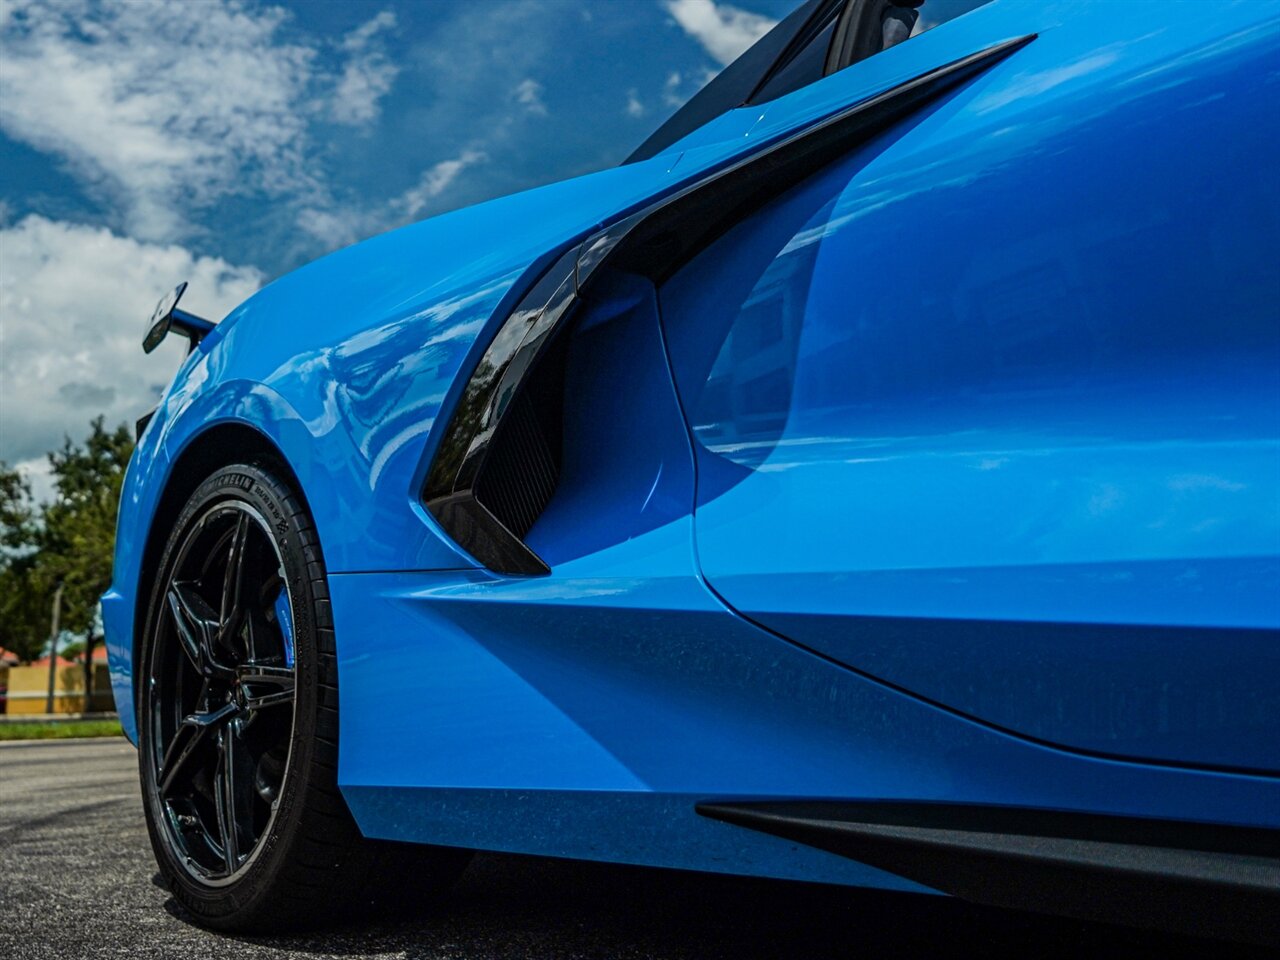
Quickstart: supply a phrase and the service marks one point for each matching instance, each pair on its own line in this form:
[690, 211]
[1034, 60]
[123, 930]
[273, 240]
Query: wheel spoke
[226, 797]
[255, 632]
[232, 605]
[191, 734]
[197, 624]
[265, 686]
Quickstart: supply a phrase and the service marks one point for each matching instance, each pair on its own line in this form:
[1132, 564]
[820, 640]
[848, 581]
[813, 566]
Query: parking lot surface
[77, 880]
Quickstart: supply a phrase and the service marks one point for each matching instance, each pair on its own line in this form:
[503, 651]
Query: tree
[17, 515]
[23, 619]
[79, 527]
[69, 542]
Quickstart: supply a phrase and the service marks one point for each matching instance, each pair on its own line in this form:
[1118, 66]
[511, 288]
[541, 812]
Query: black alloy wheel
[220, 692]
[238, 723]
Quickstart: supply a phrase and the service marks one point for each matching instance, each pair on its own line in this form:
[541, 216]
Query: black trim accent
[653, 243]
[659, 239]
[822, 18]
[192, 327]
[140, 426]
[734, 85]
[523, 467]
[452, 481]
[168, 318]
[1202, 878]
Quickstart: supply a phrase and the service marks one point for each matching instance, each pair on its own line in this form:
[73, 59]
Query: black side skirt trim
[1199, 878]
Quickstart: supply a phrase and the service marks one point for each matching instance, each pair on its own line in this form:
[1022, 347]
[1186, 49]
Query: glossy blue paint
[627, 471]
[344, 366]
[1019, 458]
[621, 701]
[1033, 475]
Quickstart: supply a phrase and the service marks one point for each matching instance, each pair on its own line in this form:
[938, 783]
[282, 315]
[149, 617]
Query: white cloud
[73, 303]
[480, 83]
[334, 226]
[671, 90]
[436, 180]
[723, 30]
[159, 106]
[163, 109]
[359, 39]
[337, 226]
[634, 108]
[529, 93]
[468, 89]
[368, 73]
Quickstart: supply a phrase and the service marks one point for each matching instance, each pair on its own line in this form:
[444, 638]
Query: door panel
[990, 409]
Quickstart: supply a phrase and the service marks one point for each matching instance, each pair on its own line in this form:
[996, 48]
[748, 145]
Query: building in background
[28, 687]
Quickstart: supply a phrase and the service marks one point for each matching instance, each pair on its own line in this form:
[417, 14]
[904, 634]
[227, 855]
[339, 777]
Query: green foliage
[17, 515]
[72, 651]
[80, 524]
[68, 542]
[24, 616]
[60, 730]
[20, 613]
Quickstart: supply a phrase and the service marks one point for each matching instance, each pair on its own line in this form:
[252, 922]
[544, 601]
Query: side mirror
[167, 316]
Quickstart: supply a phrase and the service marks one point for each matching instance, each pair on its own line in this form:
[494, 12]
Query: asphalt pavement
[77, 880]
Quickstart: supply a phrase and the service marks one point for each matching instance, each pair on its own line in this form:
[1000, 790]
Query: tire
[238, 724]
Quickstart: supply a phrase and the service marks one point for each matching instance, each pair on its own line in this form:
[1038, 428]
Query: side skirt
[1197, 878]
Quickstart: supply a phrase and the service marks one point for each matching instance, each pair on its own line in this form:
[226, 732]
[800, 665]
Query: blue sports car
[875, 480]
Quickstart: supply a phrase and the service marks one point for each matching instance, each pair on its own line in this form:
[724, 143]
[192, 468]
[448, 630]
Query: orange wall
[29, 689]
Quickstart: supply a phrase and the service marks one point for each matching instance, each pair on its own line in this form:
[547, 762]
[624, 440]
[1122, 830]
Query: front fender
[344, 366]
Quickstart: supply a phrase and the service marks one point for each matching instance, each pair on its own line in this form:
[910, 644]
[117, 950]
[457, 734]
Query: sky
[225, 142]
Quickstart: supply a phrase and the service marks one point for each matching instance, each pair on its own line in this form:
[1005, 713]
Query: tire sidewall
[256, 485]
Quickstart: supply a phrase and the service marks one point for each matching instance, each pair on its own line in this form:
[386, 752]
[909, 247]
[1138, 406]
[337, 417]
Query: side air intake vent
[499, 459]
[519, 475]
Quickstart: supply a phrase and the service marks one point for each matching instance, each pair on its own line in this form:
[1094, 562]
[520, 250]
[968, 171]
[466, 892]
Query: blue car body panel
[999, 523]
[1033, 475]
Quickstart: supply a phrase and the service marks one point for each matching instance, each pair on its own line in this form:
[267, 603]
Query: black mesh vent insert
[520, 472]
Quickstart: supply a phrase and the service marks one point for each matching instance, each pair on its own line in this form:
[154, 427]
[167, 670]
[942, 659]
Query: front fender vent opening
[520, 473]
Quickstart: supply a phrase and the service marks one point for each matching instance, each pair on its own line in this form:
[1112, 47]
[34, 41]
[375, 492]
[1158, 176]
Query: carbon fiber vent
[519, 476]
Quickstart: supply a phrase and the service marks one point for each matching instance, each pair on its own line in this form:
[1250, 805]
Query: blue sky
[364, 98]
[228, 141]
